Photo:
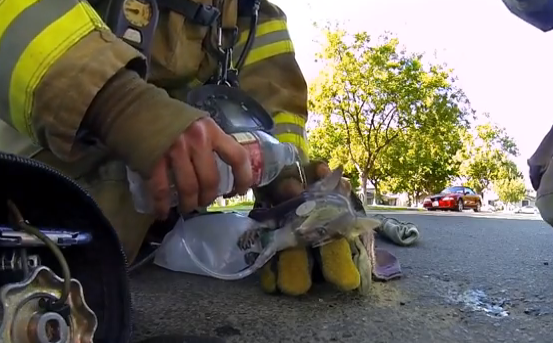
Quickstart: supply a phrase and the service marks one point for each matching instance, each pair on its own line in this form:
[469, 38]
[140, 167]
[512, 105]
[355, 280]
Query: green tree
[510, 191]
[486, 157]
[324, 143]
[423, 163]
[372, 95]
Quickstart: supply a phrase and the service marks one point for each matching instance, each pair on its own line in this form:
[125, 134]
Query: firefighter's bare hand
[192, 161]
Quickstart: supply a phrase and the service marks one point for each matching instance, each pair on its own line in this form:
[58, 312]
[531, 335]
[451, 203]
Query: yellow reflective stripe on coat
[271, 39]
[290, 128]
[33, 35]
[289, 118]
[194, 83]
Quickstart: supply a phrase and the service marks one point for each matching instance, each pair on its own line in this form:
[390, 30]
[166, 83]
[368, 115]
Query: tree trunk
[485, 186]
[376, 192]
[364, 188]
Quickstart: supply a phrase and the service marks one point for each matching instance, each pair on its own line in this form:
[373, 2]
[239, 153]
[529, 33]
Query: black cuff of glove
[271, 194]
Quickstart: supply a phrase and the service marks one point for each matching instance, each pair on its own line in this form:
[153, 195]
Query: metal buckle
[301, 173]
[231, 36]
[206, 15]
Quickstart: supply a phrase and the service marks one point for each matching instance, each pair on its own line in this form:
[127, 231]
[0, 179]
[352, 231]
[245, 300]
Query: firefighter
[74, 96]
[539, 14]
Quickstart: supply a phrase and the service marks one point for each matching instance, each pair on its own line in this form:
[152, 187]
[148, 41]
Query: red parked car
[455, 198]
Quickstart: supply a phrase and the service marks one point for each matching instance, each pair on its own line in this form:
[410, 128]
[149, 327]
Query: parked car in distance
[455, 198]
[528, 210]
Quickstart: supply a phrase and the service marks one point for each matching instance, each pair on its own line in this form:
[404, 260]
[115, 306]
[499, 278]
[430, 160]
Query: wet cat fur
[333, 183]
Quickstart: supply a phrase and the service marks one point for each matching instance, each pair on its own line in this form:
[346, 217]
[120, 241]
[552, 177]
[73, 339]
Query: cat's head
[333, 182]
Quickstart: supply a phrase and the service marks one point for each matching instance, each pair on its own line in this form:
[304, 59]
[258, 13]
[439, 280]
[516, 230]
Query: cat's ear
[330, 182]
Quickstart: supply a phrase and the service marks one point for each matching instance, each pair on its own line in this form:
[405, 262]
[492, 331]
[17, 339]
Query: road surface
[474, 277]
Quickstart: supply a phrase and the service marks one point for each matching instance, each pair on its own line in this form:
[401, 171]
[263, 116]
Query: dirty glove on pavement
[291, 271]
[401, 233]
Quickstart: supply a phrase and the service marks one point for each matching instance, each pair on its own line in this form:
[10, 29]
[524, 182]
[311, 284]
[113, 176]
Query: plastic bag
[212, 238]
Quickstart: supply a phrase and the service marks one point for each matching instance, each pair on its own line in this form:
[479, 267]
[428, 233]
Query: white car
[528, 210]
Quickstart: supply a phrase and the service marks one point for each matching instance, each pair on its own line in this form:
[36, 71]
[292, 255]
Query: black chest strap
[199, 14]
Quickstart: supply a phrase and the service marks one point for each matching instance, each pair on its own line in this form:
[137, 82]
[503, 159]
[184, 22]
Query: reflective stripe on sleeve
[290, 128]
[33, 35]
[289, 118]
[194, 83]
[271, 39]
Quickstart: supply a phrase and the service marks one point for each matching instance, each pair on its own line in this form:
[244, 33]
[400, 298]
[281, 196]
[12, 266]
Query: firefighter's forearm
[138, 121]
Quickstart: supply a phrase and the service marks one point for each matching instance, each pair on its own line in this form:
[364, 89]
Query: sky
[503, 64]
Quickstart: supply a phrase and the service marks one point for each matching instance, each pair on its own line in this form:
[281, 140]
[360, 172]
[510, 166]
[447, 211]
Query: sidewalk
[246, 208]
[392, 208]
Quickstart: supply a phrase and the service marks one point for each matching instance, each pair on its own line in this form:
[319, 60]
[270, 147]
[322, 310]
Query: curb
[393, 209]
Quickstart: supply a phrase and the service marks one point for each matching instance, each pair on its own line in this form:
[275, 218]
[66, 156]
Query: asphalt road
[473, 278]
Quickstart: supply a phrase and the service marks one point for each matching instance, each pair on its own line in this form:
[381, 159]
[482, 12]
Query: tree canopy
[510, 191]
[486, 157]
[387, 116]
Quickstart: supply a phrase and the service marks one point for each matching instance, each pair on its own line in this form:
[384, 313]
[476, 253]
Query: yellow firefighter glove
[291, 271]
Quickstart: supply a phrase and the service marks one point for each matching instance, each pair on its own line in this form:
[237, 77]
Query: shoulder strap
[230, 14]
[245, 8]
[199, 14]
